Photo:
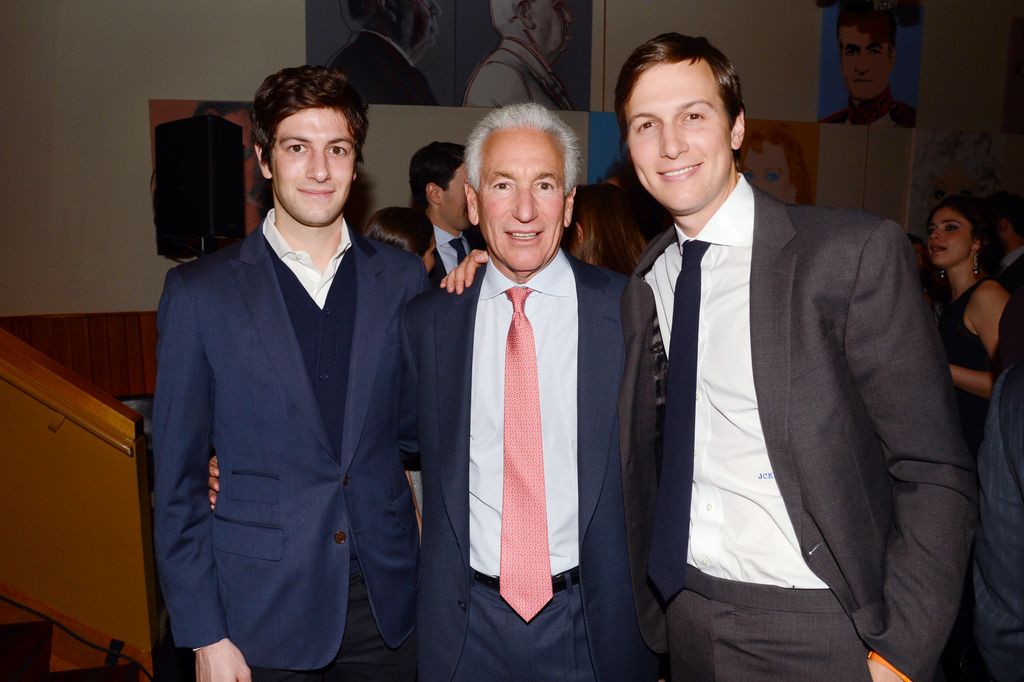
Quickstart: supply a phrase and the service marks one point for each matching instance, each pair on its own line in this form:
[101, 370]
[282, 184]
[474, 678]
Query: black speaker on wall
[199, 200]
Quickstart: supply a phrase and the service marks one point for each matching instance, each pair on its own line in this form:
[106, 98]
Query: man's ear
[433, 193]
[471, 204]
[567, 211]
[524, 12]
[739, 128]
[264, 167]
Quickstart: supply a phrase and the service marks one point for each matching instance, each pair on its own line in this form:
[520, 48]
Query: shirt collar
[556, 279]
[282, 249]
[441, 238]
[733, 223]
[1012, 256]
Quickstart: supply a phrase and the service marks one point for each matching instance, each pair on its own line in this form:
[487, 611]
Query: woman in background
[603, 231]
[408, 229]
[963, 245]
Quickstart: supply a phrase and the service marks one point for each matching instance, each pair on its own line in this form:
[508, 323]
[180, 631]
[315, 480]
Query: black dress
[965, 349]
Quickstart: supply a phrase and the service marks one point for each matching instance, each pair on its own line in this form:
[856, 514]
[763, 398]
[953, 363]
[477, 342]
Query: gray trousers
[723, 630]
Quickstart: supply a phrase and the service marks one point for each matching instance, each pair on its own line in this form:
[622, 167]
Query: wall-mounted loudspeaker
[199, 198]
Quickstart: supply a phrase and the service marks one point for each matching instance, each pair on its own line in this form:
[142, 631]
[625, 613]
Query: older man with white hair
[524, 568]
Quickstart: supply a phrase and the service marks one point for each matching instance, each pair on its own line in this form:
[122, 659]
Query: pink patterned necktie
[525, 561]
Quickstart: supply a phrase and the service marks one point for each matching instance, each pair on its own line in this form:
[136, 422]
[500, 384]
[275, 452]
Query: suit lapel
[258, 285]
[454, 327]
[372, 293]
[597, 387]
[772, 273]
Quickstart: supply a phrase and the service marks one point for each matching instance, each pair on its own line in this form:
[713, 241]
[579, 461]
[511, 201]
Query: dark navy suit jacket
[999, 549]
[270, 567]
[437, 338]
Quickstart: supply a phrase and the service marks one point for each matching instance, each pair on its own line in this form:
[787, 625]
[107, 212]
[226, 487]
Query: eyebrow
[681, 108]
[509, 176]
[297, 138]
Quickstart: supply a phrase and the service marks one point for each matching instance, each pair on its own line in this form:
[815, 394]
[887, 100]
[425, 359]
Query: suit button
[344, 481]
[340, 537]
[324, 376]
[462, 604]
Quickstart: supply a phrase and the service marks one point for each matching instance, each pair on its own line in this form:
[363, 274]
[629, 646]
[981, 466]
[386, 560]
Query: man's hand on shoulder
[221, 662]
[461, 277]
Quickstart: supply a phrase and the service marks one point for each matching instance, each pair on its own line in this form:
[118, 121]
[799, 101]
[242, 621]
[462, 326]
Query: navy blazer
[270, 567]
[437, 340]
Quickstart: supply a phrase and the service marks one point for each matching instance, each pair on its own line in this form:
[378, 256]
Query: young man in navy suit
[281, 354]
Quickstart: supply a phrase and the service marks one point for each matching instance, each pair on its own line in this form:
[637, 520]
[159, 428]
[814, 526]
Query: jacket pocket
[251, 540]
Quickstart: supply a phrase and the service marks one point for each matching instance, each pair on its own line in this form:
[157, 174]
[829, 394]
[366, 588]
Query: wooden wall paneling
[147, 326]
[81, 357]
[99, 351]
[117, 355]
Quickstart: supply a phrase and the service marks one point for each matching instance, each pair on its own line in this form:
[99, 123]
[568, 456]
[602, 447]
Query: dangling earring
[976, 268]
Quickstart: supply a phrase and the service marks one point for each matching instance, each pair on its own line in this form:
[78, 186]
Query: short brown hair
[292, 90]
[672, 48]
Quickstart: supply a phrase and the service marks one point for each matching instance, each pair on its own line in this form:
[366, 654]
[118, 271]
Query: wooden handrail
[61, 390]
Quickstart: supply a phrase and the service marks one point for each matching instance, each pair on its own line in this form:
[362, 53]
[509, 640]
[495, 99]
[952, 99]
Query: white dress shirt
[449, 259]
[316, 283]
[554, 316]
[739, 526]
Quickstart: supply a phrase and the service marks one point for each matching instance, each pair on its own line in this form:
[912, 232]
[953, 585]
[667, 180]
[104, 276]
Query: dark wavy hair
[979, 215]
[294, 89]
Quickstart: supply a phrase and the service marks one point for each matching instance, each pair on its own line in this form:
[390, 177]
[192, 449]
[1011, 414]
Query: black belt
[558, 582]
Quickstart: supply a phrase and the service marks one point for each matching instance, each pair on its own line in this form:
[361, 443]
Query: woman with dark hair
[405, 228]
[963, 245]
[603, 231]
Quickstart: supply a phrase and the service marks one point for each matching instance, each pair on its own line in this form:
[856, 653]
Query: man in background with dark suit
[1009, 212]
[999, 550]
[437, 178]
[796, 485]
[524, 575]
[281, 353]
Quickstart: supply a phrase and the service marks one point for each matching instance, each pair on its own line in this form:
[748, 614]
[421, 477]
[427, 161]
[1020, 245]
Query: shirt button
[710, 507]
[696, 452]
[697, 397]
[705, 561]
[340, 537]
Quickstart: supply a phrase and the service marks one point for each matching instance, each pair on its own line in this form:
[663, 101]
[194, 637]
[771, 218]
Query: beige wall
[78, 76]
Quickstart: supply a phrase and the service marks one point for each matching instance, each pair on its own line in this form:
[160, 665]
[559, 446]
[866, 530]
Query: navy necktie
[671, 531]
[460, 250]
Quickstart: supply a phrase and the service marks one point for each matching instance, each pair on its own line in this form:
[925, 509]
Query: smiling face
[681, 142]
[312, 167]
[521, 205]
[950, 242]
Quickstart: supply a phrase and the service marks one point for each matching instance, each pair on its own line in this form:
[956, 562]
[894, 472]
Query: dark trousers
[363, 655]
[725, 630]
[501, 647]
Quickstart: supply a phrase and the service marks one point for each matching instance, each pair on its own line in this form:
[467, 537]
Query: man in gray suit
[801, 500]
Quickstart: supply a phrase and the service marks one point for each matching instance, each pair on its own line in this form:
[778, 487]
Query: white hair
[532, 117]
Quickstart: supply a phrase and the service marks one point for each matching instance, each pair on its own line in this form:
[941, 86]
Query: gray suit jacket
[858, 416]
[999, 552]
